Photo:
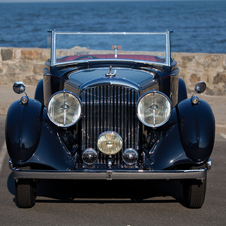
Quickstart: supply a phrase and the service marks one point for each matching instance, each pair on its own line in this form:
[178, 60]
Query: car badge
[110, 74]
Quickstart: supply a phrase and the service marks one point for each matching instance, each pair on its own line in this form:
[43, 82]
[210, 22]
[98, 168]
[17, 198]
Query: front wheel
[25, 192]
[194, 193]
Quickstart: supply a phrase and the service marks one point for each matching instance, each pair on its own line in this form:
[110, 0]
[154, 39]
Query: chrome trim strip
[111, 33]
[112, 60]
[86, 174]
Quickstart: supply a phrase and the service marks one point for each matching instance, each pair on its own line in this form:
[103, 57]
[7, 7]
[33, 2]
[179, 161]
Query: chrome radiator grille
[109, 108]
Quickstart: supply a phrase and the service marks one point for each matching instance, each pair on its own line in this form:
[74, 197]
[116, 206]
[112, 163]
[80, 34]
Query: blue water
[199, 26]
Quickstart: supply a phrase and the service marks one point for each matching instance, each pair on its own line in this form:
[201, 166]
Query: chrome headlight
[154, 109]
[89, 156]
[130, 156]
[109, 143]
[64, 109]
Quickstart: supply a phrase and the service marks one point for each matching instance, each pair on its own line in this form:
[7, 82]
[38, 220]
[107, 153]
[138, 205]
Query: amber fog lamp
[64, 109]
[154, 109]
[109, 143]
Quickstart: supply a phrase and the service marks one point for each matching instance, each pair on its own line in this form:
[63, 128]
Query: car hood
[133, 78]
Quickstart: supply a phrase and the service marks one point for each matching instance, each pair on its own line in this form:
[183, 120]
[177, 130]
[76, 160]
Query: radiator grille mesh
[109, 108]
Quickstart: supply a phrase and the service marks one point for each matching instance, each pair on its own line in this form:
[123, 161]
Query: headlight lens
[64, 109]
[109, 143]
[154, 109]
[130, 156]
[89, 156]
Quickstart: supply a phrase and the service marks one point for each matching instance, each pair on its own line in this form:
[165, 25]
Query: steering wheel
[86, 56]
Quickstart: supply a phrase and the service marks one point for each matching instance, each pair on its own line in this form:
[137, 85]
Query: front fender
[23, 129]
[39, 92]
[167, 152]
[197, 129]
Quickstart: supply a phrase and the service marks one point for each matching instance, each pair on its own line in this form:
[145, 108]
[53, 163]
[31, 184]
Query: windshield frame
[52, 39]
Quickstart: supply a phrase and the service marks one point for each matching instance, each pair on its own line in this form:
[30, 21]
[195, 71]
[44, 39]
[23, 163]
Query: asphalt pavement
[109, 202]
[217, 103]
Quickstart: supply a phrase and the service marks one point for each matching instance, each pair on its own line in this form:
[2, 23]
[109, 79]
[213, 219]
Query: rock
[31, 54]
[7, 54]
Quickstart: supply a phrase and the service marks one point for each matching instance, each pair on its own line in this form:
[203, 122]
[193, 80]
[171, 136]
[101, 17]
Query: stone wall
[24, 64]
[210, 68]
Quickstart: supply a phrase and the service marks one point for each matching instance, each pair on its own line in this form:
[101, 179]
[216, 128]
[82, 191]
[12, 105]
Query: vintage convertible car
[110, 106]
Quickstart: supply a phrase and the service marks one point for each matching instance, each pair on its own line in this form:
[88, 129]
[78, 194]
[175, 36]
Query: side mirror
[200, 87]
[19, 87]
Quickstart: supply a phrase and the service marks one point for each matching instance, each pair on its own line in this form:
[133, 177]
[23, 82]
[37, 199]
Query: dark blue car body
[109, 91]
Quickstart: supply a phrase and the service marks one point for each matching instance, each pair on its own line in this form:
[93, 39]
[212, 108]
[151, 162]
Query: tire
[25, 193]
[194, 193]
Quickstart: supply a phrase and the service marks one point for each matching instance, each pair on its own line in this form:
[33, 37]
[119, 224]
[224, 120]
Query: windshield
[69, 47]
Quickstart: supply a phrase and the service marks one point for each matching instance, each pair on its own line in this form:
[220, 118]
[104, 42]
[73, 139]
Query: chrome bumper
[198, 174]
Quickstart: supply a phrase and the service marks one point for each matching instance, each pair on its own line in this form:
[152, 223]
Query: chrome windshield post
[168, 48]
[53, 48]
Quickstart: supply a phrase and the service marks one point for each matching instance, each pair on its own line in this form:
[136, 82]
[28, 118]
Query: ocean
[198, 26]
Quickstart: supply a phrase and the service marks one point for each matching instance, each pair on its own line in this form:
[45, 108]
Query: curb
[220, 128]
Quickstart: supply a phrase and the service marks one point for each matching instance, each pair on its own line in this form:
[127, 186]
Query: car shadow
[99, 191]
